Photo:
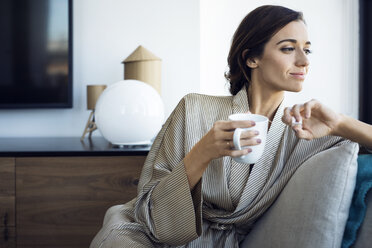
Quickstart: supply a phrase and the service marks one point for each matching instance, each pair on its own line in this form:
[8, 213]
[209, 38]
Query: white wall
[192, 37]
[333, 32]
[105, 33]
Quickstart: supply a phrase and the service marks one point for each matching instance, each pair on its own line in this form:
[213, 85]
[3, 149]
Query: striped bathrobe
[223, 206]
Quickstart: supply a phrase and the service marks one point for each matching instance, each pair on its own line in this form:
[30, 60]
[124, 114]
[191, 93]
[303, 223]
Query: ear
[250, 62]
[244, 53]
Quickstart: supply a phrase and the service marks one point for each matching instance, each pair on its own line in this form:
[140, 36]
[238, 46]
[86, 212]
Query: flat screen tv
[35, 54]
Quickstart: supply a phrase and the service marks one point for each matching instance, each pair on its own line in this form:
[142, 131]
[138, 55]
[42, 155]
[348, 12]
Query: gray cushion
[313, 208]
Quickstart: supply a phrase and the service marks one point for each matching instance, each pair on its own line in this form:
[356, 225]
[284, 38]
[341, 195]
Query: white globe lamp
[129, 112]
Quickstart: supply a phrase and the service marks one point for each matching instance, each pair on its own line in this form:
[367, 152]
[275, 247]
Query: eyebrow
[292, 41]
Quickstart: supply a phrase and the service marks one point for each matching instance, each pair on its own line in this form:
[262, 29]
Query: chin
[298, 86]
[298, 90]
[295, 89]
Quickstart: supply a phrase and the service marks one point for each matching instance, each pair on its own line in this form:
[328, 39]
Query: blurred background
[192, 38]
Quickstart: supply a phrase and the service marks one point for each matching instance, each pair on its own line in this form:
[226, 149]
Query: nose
[302, 59]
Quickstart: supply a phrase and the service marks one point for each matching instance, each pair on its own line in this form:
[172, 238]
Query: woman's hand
[218, 142]
[317, 120]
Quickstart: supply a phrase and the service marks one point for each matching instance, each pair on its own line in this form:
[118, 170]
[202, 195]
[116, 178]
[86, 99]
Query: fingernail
[259, 141]
[253, 123]
[249, 150]
[256, 132]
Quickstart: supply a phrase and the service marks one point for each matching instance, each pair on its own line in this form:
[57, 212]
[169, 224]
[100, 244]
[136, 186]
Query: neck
[263, 101]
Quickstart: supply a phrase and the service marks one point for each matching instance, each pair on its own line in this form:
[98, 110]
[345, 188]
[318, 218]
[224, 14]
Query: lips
[298, 75]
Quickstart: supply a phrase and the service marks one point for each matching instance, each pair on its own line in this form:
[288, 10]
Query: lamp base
[131, 146]
[90, 126]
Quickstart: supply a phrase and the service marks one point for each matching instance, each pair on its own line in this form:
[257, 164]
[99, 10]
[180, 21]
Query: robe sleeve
[166, 207]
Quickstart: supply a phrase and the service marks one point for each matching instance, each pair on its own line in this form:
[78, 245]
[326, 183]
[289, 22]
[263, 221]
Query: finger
[250, 142]
[244, 142]
[224, 136]
[302, 134]
[296, 112]
[295, 122]
[308, 106]
[228, 144]
[287, 117]
[232, 125]
[228, 136]
[247, 134]
[238, 153]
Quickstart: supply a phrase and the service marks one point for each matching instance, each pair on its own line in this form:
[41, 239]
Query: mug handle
[236, 138]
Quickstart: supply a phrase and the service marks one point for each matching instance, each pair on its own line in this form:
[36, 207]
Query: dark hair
[255, 30]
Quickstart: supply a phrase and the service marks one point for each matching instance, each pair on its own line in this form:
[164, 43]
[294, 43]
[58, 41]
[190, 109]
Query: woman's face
[284, 63]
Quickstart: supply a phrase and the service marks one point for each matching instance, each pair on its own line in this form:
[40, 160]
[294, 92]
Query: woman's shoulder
[202, 99]
[195, 104]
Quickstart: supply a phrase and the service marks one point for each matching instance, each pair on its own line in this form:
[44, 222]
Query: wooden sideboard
[54, 192]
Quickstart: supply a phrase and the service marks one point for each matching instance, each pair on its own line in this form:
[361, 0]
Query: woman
[191, 193]
[319, 121]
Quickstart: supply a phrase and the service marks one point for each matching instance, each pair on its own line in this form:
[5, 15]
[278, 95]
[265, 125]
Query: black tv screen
[36, 54]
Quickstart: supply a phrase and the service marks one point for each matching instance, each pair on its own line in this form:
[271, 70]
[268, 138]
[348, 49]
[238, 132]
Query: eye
[287, 49]
[308, 51]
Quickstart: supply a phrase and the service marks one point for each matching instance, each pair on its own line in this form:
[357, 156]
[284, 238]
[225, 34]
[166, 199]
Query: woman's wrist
[197, 156]
[341, 127]
[195, 164]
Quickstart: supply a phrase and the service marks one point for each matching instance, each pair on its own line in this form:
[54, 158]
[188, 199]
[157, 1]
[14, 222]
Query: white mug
[261, 126]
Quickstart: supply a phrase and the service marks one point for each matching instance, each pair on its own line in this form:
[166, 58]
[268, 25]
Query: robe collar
[261, 170]
[240, 102]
